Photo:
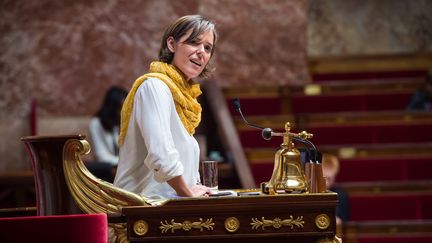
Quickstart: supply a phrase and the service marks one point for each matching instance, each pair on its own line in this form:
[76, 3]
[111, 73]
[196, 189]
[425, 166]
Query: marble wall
[369, 27]
[65, 54]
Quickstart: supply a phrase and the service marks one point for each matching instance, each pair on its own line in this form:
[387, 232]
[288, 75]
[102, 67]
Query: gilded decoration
[186, 225]
[140, 227]
[232, 224]
[277, 223]
[335, 239]
[94, 195]
[120, 232]
[322, 221]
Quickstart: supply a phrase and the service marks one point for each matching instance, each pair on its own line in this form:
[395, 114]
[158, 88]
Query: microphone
[266, 132]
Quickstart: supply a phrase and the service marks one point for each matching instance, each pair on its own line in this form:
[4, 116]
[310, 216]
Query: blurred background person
[422, 98]
[104, 132]
[330, 165]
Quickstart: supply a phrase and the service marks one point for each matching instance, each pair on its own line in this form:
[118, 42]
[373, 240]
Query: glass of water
[210, 174]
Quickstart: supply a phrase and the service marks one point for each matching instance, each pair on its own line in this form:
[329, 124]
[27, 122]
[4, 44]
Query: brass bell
[288, 173]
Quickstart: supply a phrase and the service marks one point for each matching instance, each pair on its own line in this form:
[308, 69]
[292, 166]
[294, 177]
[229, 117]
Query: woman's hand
[200, 191]
[183, 190]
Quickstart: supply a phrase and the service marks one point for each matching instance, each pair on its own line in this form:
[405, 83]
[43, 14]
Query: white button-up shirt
[157, 147]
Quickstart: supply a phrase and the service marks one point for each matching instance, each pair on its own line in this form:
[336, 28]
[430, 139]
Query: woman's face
[191, 58]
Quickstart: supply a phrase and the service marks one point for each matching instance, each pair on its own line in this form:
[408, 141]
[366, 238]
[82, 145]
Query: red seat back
[385, 207]
[82, 228]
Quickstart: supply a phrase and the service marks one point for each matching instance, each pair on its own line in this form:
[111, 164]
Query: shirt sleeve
[100, 145]
[153, 108]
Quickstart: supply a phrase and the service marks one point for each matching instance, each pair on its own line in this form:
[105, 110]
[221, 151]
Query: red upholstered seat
[396, 239]
[349, 134]
[418, 169]
[426, 205]
[384, 169]
[306, 104]
[262, 172]
[372, 134]
[78, 228]
[253, 139]
[385, 207]
[361, 76]
[257, 106]
[338, 103]
[357, 170]
[371, 170]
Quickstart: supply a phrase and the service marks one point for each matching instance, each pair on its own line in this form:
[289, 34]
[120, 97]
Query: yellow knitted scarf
[184, 94]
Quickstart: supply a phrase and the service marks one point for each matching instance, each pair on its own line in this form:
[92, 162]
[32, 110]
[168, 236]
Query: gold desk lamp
[288, 173]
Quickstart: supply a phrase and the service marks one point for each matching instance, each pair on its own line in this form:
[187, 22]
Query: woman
[159, 157]
[104, 133]
[104, 127]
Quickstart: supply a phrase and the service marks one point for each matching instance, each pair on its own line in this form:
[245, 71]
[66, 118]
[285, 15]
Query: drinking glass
[210, 174]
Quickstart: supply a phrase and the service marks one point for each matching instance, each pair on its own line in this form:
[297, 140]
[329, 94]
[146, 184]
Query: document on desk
[223, 193]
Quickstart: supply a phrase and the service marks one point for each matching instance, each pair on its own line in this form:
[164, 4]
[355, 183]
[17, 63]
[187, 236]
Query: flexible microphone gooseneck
[267, 133]
[311, 149]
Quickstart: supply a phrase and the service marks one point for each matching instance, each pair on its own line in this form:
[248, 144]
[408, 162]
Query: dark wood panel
[301, 208]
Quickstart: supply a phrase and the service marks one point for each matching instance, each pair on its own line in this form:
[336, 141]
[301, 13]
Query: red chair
[396, 239]
[78, 228]
[426, 202]
[385, 207]
[417, 169]
[353, 170]
[302, 104]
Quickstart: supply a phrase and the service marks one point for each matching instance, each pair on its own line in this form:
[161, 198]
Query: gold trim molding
[277, 223]
[335, 239]
[186, 225]
[232, 224]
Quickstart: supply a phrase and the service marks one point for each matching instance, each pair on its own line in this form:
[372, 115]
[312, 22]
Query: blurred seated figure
[330, 165]
[422, 98]
[104, 132]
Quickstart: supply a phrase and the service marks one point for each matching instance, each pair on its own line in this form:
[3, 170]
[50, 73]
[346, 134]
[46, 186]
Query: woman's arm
[179, 185]
[153, 115]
